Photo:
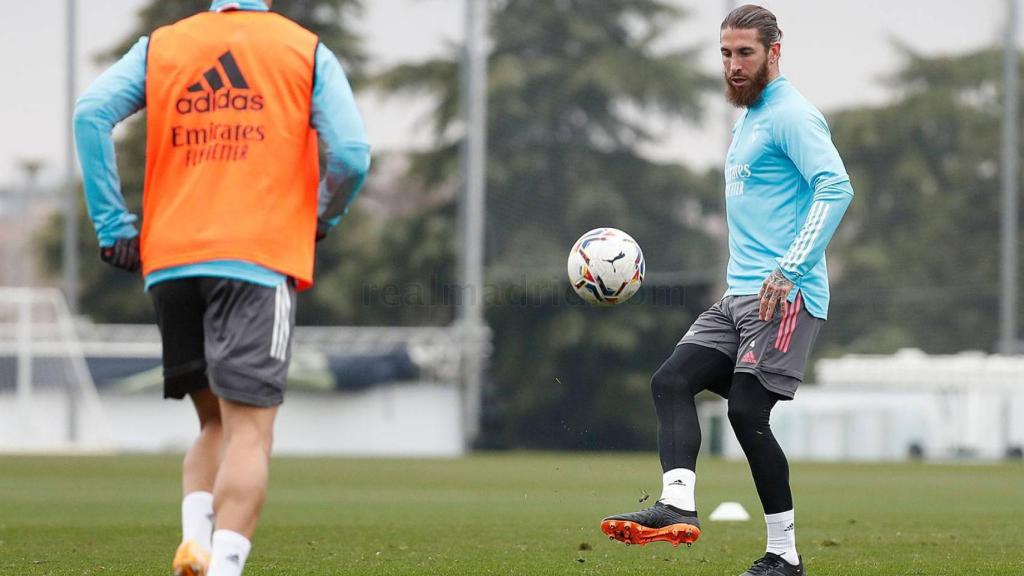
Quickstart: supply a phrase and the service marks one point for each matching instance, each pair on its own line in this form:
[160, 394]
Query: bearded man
[786, 191]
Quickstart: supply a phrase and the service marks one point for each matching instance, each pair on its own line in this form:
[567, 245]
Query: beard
[746, 95]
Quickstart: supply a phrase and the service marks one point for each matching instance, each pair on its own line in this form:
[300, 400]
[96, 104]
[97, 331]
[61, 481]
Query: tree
[918, 253]
[109, 295]
[576, 89]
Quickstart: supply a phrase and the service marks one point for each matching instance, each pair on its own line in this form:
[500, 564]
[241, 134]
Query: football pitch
[511, 514]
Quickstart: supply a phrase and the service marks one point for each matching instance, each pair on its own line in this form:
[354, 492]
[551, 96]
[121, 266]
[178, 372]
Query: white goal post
[48, 400]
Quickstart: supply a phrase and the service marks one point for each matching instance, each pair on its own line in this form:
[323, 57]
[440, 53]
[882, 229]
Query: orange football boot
[190, 560]
[659, 523]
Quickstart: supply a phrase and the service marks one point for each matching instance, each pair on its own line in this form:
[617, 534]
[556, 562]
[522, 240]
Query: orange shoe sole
[189, 560]
[633, 533]
[193, 570]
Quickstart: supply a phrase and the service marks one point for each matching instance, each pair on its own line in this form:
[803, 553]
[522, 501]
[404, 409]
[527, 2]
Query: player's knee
[665, 383]
[250, 438]
[209, 416]
[744, 418]
[211, 425]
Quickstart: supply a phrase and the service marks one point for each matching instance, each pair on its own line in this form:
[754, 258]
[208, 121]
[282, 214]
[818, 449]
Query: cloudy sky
[837, 52]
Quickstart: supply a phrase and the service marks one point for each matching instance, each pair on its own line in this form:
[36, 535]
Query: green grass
[511, 514]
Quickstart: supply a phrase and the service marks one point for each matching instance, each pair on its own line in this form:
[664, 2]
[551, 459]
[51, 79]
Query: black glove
[124, 254]
[322, 228]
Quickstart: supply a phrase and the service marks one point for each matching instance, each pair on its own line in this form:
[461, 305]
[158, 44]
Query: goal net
[48, 400]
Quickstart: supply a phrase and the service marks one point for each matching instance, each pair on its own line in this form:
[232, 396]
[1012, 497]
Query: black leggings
[691, 369]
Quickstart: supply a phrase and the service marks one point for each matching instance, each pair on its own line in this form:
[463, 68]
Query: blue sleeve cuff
[787, 274]
[110, 236]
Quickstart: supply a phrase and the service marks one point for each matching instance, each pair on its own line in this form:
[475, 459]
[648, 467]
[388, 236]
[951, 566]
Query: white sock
[677, 488]
[782, 536]
[230, 549]
[197, 518]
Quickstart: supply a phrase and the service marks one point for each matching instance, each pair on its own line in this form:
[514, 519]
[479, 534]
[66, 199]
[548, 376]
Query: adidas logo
[788, 528]
[749, 358]
[677, 483]
[209, 96]
[234, 558]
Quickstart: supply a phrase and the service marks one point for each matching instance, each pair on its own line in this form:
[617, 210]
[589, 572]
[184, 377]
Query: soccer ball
[606, 266]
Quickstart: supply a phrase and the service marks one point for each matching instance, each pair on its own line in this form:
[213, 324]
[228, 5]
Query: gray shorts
[776, 352]
[232, 336]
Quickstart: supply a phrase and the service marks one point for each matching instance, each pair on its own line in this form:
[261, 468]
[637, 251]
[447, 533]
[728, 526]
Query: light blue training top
[121, 91]
[786, 190]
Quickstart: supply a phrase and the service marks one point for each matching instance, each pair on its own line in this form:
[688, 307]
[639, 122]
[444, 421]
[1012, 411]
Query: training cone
[729, 512]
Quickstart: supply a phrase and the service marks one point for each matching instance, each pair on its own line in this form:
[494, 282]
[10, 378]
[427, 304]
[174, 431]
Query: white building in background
[869, 408]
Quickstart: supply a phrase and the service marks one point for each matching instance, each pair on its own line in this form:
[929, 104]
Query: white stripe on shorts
[275, 341]
[286, 322]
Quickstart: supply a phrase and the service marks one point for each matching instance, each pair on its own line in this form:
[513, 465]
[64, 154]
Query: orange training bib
[231, 158]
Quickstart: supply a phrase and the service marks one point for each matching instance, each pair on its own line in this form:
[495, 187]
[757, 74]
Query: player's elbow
[837, 193]
[844, 190]
[88, 114]
[354, 159]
